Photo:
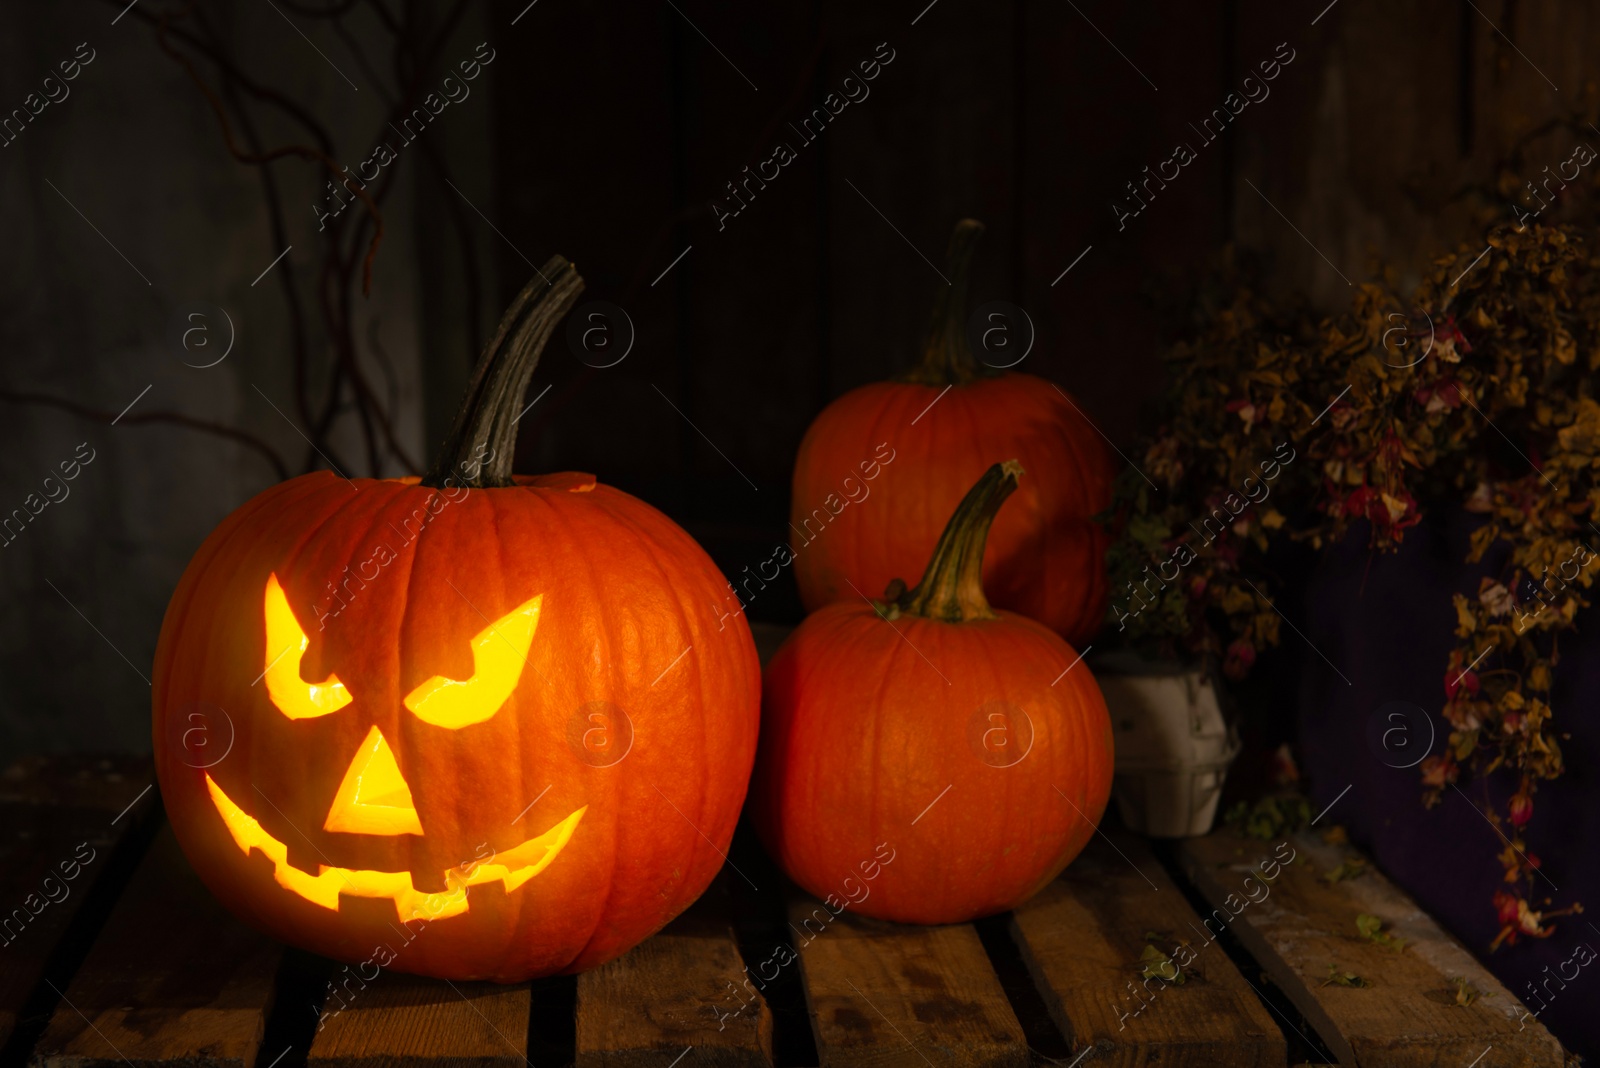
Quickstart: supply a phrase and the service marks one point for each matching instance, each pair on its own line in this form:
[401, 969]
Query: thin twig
[100, 415]
[414, 54]
[300, 151]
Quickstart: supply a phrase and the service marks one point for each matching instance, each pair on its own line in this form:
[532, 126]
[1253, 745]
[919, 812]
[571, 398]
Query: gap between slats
[74, 943]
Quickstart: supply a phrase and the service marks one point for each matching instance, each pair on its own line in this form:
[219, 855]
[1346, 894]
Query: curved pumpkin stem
[946, 356]
[952, 588]
[477, 452]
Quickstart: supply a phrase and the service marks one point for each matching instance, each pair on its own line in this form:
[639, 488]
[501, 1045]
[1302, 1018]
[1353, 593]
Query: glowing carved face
[374, 798]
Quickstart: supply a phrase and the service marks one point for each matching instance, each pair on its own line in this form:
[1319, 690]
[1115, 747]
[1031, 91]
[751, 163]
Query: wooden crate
[139, 966]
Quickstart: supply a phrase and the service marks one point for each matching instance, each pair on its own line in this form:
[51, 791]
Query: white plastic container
[1173, 745]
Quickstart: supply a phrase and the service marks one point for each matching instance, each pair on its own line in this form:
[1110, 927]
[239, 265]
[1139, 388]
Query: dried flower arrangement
[1479, 389]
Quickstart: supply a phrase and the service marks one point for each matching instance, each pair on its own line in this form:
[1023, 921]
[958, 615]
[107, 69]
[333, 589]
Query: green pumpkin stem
[478, 450]
[946, 357]
[952, 588]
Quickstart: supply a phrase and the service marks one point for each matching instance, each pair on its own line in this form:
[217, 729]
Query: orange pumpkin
[939, 426]
[928, 759]
[475, 725]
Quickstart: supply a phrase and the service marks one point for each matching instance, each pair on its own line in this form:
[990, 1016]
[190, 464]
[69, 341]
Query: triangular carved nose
[374, 797]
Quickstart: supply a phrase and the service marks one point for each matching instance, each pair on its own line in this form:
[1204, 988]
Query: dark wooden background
[615, 134]
[605, 133]
[1017, 114]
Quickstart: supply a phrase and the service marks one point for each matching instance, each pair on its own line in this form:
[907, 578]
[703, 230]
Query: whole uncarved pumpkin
[476, 726]
[927, 759]
[945, 422]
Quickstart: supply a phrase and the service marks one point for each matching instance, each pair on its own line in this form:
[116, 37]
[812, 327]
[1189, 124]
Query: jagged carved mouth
[512, 867]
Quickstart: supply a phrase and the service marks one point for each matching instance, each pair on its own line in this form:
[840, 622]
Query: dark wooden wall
[616, 132]
[609, 131]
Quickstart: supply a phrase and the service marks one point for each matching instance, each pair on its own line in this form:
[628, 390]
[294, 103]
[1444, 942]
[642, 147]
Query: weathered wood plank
[684, 987]
[1407, 1015]
[885, 994]
[60, 819]
[1082, 938]
[396, 1021]
[1530, 64]
[102, 783]
[173, 978]
[1358, 147]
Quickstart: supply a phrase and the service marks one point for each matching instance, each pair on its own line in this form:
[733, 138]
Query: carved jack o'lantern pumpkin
[472, 725]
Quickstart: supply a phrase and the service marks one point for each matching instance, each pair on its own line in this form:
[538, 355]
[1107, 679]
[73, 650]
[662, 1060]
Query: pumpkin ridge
[507, 946]
[1094, 590]
[1010, 785]
[182, 617]
[885, 531]
[291, 556]
[576, 547]
[1058, 398]
[305, 537]
[289, 560]
[856, 527]
[875, 819]
[394, 502]
[848, 544]
[1068, 517]
[645, 545]
[404, 609]
[1049, 519]
[832, 622]
[652, 548]
[813, 845]
[552, 505]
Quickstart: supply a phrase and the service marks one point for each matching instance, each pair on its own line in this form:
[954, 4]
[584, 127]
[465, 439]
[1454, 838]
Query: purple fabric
[1386, 623]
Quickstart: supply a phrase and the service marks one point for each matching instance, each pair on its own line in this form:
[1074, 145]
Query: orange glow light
[513, 868]
[374, 797]
[286, 647]
[499, 652]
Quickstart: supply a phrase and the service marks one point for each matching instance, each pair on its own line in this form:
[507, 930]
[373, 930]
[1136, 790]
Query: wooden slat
[885, 994]
[1408, 1016]
[101, 783]
[684, 987]
[1081, 939]
[400, 1021]
[58, 817]
[173, 977]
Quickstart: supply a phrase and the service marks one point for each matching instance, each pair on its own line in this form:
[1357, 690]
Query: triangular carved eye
[499, 652]
[286, 647]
